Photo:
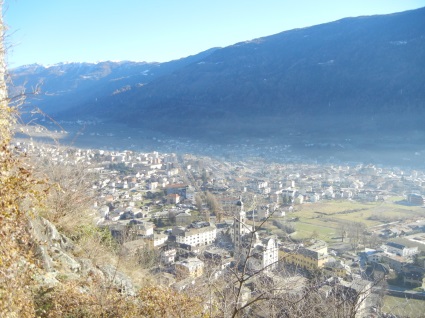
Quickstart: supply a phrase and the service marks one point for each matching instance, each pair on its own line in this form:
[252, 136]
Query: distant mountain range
[70, 86]
[356, 75]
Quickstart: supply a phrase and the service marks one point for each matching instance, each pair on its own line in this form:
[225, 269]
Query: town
[190, 218]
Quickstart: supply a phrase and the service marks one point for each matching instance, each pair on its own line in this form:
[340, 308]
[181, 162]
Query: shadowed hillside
[359, 73]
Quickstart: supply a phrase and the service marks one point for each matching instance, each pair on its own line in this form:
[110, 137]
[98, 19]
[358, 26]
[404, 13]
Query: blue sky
[53, 31]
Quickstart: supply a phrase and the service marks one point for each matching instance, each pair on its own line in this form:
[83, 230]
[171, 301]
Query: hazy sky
[52, 31]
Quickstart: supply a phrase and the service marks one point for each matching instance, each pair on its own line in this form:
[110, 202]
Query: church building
[258, 254]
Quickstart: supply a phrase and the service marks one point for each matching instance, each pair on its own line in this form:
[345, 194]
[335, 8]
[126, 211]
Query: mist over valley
[348, 91]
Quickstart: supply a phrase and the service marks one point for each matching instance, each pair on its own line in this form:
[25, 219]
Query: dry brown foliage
[79, 299]
[17, 190]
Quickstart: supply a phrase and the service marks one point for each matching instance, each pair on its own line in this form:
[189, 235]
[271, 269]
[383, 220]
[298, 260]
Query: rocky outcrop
[55, 253]
[51, 246]
[118, 279]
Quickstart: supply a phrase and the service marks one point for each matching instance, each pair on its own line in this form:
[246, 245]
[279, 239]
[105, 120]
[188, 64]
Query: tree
[242, 292]
[342, 231]
[172, 217]
[355, 232]
[212, 202]
[198, 202]
[204, 176]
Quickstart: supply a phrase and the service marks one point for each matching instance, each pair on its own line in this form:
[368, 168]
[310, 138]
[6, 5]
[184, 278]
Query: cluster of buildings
[148, 201]
[124, 177]
[402, 259]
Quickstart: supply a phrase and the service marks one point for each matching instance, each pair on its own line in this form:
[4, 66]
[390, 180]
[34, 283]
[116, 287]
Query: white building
[197, 234]
[399, 249]
[168, 256]
[259, 254]
[264, 255]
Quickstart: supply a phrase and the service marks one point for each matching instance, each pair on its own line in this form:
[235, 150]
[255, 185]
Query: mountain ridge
[321, 70]
[63, 86]
[363, 73]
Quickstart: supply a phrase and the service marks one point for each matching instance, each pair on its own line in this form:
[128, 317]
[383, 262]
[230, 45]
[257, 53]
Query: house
[399, 249]
[140, 228]
[310, 257]
[132, 247]
[191, 267]
[177, 188]
[165, 279]
[275, 197]
[217, 261]
[173, 198]
[374, 256]
[183, 284]
[415, 199]
[168, 256]
[155, 240]
[172, 172]
[413, 276]
[355, 293]
[104, 211]
[183, 218]
[299, 199]
[228, 204]
[197, 234]
[313, 196]
[218, 257]
[395, 262]
[288, 194]
[190, 193]
[158, 239]
[336, 269]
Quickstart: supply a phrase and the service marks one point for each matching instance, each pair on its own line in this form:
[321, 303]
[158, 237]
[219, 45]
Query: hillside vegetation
[45, 273]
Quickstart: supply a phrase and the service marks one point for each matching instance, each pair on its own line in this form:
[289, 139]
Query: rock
[55, 252]
[88, 269]
[66, 243]
[48, 279]
[43, 255]
[46, 233]
[118, 279]
[67, 261]
[55, 238]
[52, 246]
[51, 234]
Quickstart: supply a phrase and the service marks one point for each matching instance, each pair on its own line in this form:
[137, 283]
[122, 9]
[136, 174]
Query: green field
[413, 308]
[326, 218]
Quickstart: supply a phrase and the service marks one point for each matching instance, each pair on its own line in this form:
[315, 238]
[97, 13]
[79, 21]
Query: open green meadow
[413, 308]
[326, 218]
